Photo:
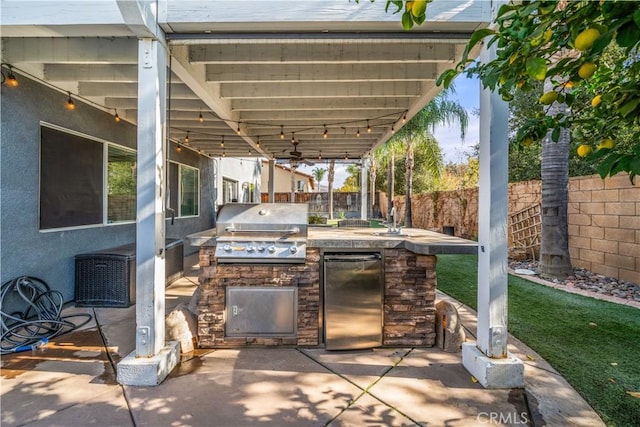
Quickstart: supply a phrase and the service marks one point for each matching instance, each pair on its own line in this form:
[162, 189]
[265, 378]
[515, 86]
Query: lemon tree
[529, 37]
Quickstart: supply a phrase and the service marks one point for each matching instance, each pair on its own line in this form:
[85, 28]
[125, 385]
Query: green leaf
[397, 3]
[636, 18]
[628, 107]
[536, 68]
[628, 35]
[634, 165]
[420, 19]
[476, 37]
[445, 78]
[555, 135]
[407, 20]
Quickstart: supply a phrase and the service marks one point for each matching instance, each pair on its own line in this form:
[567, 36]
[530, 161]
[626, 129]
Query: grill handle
[293, 230]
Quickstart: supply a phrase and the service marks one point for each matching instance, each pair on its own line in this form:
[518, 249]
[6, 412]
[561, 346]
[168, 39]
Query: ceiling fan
[295, 156]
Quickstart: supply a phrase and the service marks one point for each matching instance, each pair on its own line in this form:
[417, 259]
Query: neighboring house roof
[296, 172]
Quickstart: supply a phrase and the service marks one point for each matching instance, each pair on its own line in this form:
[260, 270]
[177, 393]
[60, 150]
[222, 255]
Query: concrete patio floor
[71, 382]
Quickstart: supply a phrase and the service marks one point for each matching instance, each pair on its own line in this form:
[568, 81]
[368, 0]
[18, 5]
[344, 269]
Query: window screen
[70, 180]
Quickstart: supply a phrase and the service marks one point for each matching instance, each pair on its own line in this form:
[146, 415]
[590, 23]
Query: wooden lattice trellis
[526, 228]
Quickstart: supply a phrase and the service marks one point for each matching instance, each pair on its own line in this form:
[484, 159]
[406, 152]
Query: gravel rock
[588, 280]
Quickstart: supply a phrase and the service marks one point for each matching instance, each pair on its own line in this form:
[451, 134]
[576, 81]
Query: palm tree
[332, 170]
[318, 174]
[417, 135]
[554, 237]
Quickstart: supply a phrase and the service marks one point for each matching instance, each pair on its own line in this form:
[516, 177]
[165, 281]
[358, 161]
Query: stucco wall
[50, 255]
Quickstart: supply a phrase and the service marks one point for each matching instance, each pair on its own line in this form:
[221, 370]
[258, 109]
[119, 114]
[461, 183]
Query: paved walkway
[71, 382]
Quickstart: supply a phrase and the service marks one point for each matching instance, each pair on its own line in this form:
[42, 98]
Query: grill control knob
[227, 248]
[293, 249]
[251, 248]
[271, 249]
[261, 248]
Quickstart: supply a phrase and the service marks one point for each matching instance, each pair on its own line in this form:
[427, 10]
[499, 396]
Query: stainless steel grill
[264, 233]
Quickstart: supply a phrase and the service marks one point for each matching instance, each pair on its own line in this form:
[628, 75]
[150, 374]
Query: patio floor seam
[364, 391]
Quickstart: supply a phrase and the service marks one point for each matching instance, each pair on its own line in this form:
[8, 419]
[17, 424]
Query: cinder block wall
[604, 226]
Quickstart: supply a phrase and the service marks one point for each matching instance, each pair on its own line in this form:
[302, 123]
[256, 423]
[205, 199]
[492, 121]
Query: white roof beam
[73, 50]
[281, 117]
[368, 51]
[129, 90]
[93, 72]
[320, 72]
[318, 104]
[319, 90]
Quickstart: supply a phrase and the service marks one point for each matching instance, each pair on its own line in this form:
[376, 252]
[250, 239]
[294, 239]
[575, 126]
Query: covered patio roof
[335, 76]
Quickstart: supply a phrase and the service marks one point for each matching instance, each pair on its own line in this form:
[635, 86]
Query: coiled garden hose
[35, 315]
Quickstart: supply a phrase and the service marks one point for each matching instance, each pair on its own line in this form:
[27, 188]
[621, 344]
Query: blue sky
[467, 93]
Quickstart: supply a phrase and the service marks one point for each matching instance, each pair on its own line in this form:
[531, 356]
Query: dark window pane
[121, 184]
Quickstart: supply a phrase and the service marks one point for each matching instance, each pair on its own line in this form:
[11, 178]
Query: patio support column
[364, 186]
[151, 361]
[488, 359]
[272, 180]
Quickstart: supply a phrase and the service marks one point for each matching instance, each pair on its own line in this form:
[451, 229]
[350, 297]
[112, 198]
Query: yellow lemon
[409, 5]
[584, 150]
[419, 7]
[585, 39]
[547, 35]
[606, 143]
[520, 84]
[596, 101]
[586, 70]
[527, 141]
[549, 97]
[569, 84]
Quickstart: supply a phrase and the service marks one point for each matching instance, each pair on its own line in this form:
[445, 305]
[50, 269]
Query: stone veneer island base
[409, 285]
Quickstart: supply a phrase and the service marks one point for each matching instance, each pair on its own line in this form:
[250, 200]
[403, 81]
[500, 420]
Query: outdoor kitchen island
[296, 316]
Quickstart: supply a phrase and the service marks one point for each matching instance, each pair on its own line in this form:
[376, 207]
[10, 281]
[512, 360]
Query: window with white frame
[229, 190]
[184, 189]
[84, 181]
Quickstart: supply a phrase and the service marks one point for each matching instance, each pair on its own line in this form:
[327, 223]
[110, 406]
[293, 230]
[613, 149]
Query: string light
[224, 154]
[238, 129]
[293, 137]
[326, 132]
[186, 138]
[320, 155]
[222, 142]
[258, 142]
[393, 130]
[116, 117]
[346, 156]
[11, 78]
[281, 132]
[179, 148]
[404, 118]
[368, 127]
[358, 133]
[70, 105]
[200, 118]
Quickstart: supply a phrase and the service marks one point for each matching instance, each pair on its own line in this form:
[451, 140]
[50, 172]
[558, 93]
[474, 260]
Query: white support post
[151, 361]
[272, 180]
[364, 187]
[488, 359]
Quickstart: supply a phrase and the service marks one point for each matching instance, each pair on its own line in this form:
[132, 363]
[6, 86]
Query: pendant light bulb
[11, 78]
[238, 129]
[358, 133]
[222, 142]
[346, 156]
[178, 148]
[368, 127]
[258, 142]
[70, 105]
[186, 138]
[326, 132]
[200, 118]
[116, 117]
[293, 137]
[281, 132]
[393, 129]
[404, 118]
[320, 155]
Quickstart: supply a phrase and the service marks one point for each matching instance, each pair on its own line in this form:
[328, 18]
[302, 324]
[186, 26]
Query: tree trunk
[408, 185]
[554, 248]
[332, 166]
[391, 173]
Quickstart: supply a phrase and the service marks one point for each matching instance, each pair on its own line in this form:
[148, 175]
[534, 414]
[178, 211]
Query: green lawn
[594, 344]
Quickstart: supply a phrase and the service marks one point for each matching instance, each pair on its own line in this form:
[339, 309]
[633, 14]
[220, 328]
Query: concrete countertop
[413, 239]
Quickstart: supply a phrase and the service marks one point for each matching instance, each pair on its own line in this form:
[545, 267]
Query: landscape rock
[449, 332]
[182, 326]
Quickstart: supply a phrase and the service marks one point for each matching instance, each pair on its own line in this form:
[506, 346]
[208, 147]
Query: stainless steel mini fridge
[353, 300]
